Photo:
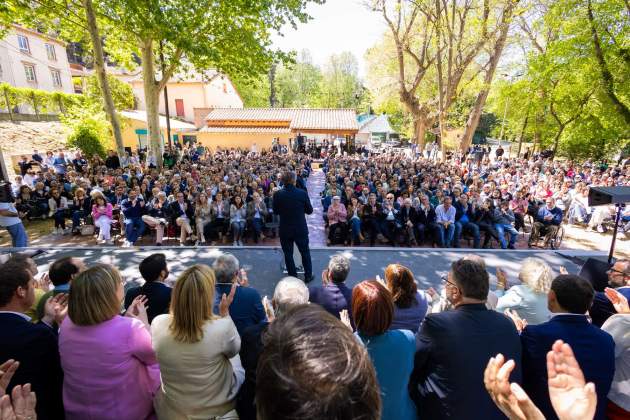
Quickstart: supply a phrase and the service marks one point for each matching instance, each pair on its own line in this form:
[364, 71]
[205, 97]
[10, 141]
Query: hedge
[41, 101]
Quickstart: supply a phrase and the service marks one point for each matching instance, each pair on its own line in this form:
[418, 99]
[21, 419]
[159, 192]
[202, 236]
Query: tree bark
[419, 130]
[152, 99]
[607, 76]
[475, 114]
[520, 137]
[101, 75]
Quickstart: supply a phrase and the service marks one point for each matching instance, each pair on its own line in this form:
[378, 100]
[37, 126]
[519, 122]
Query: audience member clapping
[410, 304]
[569, 299]
[154, 271]
[333, 295]
[197, 351]
[110, 368]
[529, 298]
[247, 308]
[20, 403]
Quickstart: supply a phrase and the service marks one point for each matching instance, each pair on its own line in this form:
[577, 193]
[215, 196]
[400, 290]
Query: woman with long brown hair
[410, 304]
[197, 351]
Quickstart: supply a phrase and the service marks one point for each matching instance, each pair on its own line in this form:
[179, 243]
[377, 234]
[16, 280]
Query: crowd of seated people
[201, 197]
[207, 345]
[405, 200]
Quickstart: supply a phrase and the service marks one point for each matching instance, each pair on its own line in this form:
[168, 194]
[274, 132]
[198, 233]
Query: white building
[191, 97]
[31, 59]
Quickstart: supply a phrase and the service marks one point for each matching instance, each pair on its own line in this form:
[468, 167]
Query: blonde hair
[536, 274]
[93, 295]
[191, 303]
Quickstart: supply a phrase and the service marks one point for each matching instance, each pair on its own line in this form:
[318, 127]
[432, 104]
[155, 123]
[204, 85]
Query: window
[56, 77]
[23, 44]
[179, 107]
[29, 70]
[50, 51]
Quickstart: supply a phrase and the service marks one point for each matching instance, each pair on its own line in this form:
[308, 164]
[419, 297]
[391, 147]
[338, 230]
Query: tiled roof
[266, 130]
[298, 118]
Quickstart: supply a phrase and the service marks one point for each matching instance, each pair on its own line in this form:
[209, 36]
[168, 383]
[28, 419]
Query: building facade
[191, 97]
[34, 60]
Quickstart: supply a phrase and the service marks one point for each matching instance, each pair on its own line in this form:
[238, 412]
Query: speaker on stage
[599, 196]
[594, 271]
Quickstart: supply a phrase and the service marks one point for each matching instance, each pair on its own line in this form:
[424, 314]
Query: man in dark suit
[370, 218]
[619, 279]
[334, 295]
[182, 214]
[454, 348]
[569, 299]
[291, 204]
[246, 308]
[154, 271]
[425, 219]
[33, 345]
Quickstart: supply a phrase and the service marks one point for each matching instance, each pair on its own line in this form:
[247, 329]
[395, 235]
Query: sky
[336, 26]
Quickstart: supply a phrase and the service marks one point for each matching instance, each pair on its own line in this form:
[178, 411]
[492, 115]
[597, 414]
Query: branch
[168, 73]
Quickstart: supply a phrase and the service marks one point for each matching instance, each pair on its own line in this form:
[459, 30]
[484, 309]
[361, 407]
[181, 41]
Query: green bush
[85, 137]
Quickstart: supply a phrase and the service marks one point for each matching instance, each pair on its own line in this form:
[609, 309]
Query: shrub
[86, 138]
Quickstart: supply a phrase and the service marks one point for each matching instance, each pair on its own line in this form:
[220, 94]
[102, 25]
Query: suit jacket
[333, 298]
[292, 204]
[35, 347]
[602, 309]
[158, 295]
[251, 348]
[425, 218]
[246, 309]
[251, 211]
[453, 350]
[368, 214]
[175, 210]
[407, 215]
[594, 350]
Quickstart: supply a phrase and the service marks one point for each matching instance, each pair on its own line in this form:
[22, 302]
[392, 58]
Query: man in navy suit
[154, 271]
[334, 295]
[246, 308]
[453, 349]
[569, 299]
[292, 204]
[33, 345]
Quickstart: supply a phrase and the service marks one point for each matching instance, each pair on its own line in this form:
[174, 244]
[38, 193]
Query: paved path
[264, 264]
[316, 232]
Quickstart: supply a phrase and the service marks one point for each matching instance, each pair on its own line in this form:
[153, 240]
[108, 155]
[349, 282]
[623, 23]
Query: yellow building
[242, 127]
[135, 133]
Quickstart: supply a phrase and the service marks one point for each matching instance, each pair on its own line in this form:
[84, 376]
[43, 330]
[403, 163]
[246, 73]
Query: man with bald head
[619, 279]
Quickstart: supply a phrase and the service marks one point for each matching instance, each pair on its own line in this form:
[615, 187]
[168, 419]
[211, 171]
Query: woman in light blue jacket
[528, 299]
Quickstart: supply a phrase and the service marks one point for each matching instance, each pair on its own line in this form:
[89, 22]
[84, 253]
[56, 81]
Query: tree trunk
[8, 102]
[419, 130]
[556, 140]
[101, 75]
[520, 137]
[152, 99]
[441, 125]
[272, 86]
[482, 96]
[607, 76]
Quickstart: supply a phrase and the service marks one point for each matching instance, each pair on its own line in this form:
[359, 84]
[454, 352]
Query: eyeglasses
[611, 270]
[446, 281]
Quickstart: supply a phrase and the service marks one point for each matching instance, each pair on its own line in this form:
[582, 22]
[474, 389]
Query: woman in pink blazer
[110, 368]
[102, 216]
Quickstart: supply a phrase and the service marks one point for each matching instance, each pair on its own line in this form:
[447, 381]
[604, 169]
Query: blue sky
[337, 26]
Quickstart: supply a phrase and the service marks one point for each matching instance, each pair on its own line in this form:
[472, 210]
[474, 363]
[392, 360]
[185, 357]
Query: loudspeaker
[594, 271]
[599, 196]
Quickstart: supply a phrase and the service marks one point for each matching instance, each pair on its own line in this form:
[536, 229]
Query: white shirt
[6, 221]
[619, 327]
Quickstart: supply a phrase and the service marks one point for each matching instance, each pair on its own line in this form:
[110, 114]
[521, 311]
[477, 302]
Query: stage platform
[265, 264]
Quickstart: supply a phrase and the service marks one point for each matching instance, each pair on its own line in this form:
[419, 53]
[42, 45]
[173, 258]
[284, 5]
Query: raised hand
[43, 283]
[56, 309]
[226, 301]
[243, 281]
[345, 318]
[501, 279]
[24, 401]
[571, 397]
[138, 309]
[619, 301]
[563, 270]
[519, 322]
[509, 397]
[7, 369]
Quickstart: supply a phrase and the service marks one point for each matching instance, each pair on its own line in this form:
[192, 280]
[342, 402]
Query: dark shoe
[529, 244]
[309, 279]
[511, 247]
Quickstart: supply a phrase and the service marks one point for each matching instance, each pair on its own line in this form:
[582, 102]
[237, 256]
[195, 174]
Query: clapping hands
[519, 322]
[56, 309]
[138, 310]
[619, 301]
[24, 400]
[571, 397]
[226, 301]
